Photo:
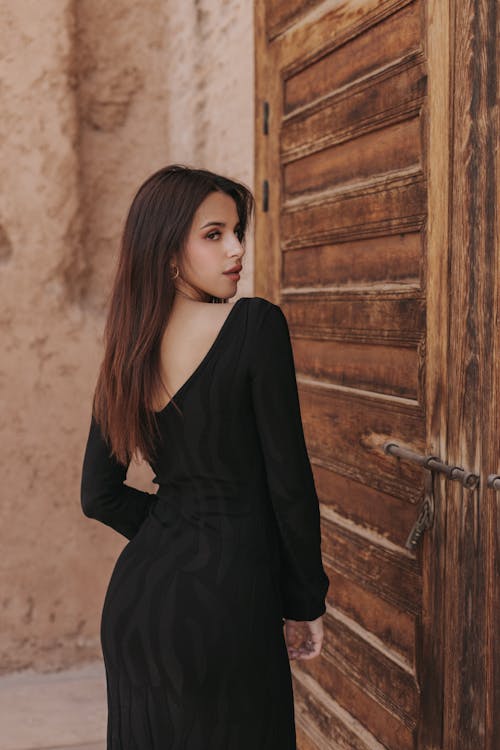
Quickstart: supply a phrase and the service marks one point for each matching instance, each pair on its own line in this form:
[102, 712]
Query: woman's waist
[195, 501]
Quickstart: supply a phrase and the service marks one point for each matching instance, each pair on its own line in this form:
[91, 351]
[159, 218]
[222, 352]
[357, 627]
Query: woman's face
[213, 247]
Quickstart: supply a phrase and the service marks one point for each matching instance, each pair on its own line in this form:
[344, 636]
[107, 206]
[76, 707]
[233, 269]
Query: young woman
[221, 581]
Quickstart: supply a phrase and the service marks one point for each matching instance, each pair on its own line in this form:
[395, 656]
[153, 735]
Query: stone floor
[58, 711]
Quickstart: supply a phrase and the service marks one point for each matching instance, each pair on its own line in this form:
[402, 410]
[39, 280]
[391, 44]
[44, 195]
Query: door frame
[472, 397]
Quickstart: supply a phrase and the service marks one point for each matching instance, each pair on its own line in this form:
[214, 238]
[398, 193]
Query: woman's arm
[103, 494]
[304, 583]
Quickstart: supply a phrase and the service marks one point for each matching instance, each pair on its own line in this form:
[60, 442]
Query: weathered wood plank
[393, 576]
[394, 147]
[329, 26]
[366, 507]
[325, 721]
[345, 431]
[390, 624]
[370, 261]
[380, 99]
[389, 729]
[280, 14]
[372, 666]
[369, 209]
[385, 369]
[380, 44]
[367, 316]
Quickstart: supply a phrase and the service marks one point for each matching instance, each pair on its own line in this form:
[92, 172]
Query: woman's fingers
[303, 639]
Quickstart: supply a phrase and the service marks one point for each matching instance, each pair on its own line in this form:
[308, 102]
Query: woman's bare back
[188, 337]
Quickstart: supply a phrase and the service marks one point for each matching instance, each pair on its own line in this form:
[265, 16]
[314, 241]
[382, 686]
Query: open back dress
[229, 545]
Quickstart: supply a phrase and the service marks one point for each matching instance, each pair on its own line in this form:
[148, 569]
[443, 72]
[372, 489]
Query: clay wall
[94, 97]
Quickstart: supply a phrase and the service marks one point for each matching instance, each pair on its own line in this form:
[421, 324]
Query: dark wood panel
[376, 615]
[383, 150]
[471, 716]
[389, 516]
[385, 572]
[280, 14]
[324, 721]
[398, 34]
[390, 258]
[376, 316]
[384, 369]
[382, 205]
[388, 96]
[387, 727]
[305, 741]
[345, 239]
[346, 431]
[373, 670]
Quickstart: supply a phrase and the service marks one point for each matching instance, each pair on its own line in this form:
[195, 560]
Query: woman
[221, 581]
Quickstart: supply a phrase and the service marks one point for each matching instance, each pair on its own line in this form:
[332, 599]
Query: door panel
[385, 43]
[345, 159]
[377, 138]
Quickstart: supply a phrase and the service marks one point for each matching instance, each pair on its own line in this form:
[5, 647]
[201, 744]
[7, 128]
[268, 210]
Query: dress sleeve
[303, 580]
[103, 494]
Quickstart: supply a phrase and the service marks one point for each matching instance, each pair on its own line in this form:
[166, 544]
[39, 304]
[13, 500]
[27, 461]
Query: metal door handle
[434, 463]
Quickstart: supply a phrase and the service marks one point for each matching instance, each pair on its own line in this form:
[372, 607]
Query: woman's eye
[238, 233]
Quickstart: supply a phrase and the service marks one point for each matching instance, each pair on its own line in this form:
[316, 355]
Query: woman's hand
[304, 639]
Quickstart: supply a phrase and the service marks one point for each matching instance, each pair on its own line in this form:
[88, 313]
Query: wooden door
[375, 233]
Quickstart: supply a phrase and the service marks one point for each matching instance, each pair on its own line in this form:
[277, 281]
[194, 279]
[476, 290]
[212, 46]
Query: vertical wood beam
[472, 537]
[436, 119]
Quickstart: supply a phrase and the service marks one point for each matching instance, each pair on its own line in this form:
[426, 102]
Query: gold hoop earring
[176, 274]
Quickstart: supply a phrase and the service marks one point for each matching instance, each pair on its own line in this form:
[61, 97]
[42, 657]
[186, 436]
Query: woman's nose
[236, 247]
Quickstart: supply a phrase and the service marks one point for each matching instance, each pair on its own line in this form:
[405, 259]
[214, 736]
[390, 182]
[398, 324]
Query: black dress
[192, 621]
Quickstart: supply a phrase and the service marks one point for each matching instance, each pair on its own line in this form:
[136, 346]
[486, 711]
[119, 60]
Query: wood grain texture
[378, 206]
[380, 721]
[382, 243]
[343, 249]
[380, 44]
[390, 260]
[390, 148]
[280, 14]
[380, 99]
[471, 712]
[333, 726]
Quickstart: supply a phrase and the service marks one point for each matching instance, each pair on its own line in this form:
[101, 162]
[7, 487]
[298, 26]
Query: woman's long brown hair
[157, 226]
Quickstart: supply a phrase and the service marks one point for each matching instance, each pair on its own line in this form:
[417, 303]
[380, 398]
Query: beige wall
[92, 102]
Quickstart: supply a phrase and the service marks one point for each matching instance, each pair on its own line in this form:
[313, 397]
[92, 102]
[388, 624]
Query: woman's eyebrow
[217, 223]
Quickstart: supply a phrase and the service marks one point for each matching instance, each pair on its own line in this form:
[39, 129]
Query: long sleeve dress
[229, 545]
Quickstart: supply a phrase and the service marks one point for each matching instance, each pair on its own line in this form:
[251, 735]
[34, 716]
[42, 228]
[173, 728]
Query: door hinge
[265, 195]
[265, 118]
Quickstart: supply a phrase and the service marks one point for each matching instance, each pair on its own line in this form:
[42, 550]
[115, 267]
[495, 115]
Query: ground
[55, 711]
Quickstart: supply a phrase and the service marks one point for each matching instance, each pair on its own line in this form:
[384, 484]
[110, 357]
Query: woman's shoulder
[268, 334]
[262, 301]
[261, 305]
[265, 316]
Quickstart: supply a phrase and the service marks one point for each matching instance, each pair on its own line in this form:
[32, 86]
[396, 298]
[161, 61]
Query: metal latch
[434, 463]
[425, 517]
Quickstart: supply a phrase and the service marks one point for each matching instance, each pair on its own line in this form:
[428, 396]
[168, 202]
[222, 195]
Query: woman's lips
[234, 273]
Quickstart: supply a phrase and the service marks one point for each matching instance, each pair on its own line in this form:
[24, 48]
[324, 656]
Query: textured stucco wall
[210, 88]
[94, 97]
